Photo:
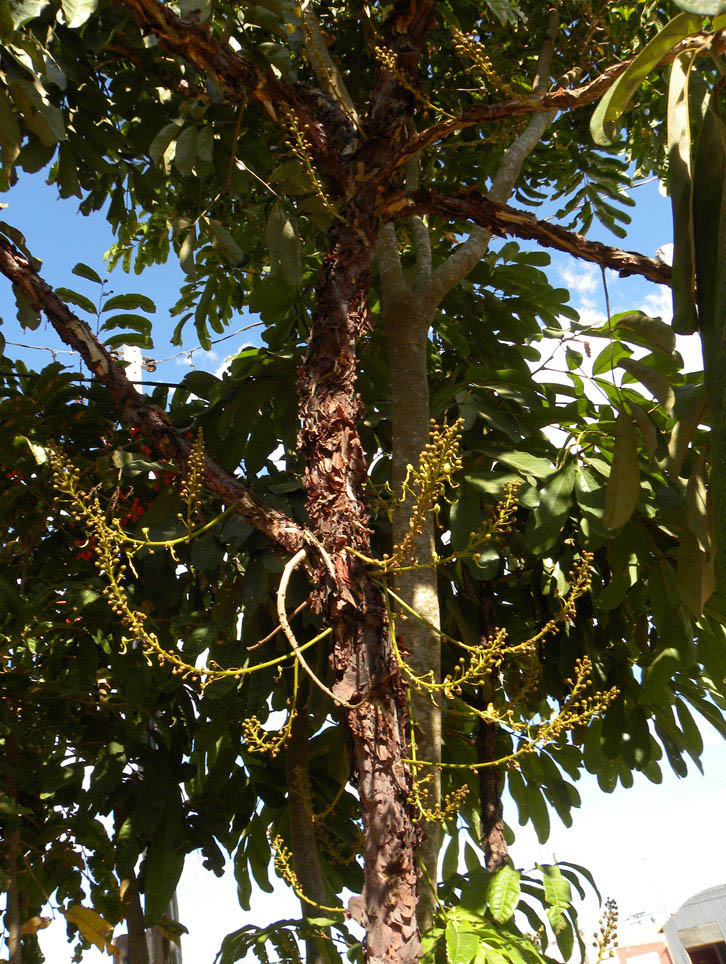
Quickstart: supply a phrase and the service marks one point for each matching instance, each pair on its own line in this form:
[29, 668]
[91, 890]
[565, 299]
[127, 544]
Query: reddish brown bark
[134, 408]
[504, 220]
[364, 665]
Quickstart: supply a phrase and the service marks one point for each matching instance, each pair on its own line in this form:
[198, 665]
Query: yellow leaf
[35, 924]
[94, 928]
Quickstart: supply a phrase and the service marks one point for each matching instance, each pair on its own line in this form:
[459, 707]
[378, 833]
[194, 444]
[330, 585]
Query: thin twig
[287, 572]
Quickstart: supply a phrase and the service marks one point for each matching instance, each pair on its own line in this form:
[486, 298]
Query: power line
[86, 378]
[185, 352]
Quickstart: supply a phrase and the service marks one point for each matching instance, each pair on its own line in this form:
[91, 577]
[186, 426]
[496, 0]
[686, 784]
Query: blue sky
[60, 236]
[650, 847]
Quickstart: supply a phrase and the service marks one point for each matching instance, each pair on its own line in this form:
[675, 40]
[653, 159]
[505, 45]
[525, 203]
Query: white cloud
[659, 304]
[590, 315]
[581, 280]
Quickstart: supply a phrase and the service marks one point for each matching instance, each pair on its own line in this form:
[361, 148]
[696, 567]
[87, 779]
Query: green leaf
[697, 505]
[656, 383]
[186, 150]
[525, 464]
[709, 225]
[564, 931]
[24, 10]
[558, 893]
[41, 117]
[27, 314]
[160, 144]
[604, 124]
[164, 860]
[77, 299]
[129, 338]
[555, 501]
[82, 270]
[504, 892]
[682, 434]
[129, 301]
[125, 320]
[18, 239]
[186, 252]
[507, 11]
[77, 12]
[624, 483]
[201, 312]
[39, 453]
[680, 184]
[450, 862]
[647, 429]
[583, 872]
[461, 942]
[658, 674]
[696, 577]
[223, 241]
[205, 143]
[284, 246]
[651, 332]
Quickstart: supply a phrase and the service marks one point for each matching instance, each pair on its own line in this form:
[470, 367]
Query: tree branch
[558, 100]
[463, 260]
[391, 104]
[324, 67]
[419, 230]
[389, 264]
[503, 220]
[240, 79]
[134, 409]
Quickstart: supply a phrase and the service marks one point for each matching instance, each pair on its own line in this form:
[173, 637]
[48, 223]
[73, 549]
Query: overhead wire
[184, 352]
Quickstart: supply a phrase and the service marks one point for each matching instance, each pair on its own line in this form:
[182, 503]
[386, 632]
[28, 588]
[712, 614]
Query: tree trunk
[367, 677]
[134, 915]
[491, 778]
[491, 785]
[303, 844]
[12, 912]
[407, 325]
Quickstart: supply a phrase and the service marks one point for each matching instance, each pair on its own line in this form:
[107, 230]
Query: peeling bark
[363, 661]
[504, 220]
